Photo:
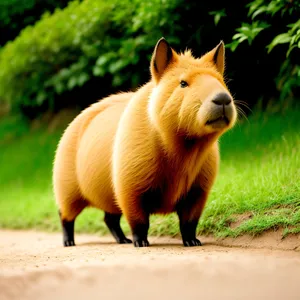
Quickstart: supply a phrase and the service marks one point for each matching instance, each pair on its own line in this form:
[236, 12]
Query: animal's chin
[219, 122]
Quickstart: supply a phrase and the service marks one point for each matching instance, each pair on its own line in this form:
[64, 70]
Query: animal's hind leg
[67, 219]
[113, 223]
[68, 231]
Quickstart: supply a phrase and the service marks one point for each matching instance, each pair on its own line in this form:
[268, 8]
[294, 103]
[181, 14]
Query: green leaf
[291, 48]
[59, 87]
[232, 46]
[217, 19]
[279, 39]
[116, 66]
[41, 97]
[117, 80]
[64, 73]
[259, 11]
[98, 71]
[72, 82]
[83, 78]
[102, 60]
[237, 36]
[217, 15]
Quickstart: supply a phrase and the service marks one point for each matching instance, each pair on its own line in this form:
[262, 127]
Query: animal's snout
[222, 99]
[221, 110]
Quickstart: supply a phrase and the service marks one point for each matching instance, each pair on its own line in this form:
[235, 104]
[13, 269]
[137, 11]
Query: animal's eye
[183, 84]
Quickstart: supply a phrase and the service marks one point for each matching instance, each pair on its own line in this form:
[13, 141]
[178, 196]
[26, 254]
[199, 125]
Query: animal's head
[190, 97]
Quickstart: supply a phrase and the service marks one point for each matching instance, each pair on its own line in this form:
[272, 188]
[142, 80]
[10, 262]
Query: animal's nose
[221, 99]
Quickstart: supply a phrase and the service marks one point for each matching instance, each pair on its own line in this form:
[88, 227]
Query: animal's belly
[156, 201]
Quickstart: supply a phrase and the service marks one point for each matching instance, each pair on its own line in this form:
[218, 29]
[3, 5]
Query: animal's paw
[125, 241]
[192, 243]
[69, 243]
[141, 243]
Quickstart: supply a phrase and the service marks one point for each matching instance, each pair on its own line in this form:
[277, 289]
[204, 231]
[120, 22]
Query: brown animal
[150, 151]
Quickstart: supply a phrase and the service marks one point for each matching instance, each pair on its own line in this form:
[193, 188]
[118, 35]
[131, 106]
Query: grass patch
[258, 187]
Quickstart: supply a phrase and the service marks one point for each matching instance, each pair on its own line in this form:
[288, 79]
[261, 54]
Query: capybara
[152, 151]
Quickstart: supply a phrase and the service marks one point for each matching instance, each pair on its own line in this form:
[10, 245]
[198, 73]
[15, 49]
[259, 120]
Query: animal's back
[81, 174]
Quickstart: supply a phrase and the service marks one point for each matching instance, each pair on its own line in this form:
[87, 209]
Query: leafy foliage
[17, 14]
[287, 14]
[248, 32]
[92, 48]
[91, 38]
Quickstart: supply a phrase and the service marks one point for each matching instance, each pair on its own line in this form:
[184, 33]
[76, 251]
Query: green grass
[258, 187]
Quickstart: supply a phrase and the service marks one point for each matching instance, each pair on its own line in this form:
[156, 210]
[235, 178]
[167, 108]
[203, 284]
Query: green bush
[17, 14]
[89, 39]
[279, 23]
[95, 47]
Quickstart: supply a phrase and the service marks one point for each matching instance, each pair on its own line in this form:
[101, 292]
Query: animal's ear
[162, 55]
[217, 57]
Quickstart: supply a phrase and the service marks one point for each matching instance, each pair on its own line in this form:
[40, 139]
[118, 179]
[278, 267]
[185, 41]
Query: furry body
[150, 151]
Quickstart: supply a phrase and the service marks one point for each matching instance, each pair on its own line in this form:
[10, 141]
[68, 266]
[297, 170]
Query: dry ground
[34, 265]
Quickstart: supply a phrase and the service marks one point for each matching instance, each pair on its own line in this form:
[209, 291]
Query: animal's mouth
[220, 120]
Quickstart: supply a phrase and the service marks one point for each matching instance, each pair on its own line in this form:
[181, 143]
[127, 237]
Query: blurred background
[58, 56]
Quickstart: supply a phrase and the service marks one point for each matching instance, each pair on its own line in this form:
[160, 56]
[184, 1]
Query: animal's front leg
[138, 219]
[139, 224]
[140, 232]
[188, 232]
[189, 210]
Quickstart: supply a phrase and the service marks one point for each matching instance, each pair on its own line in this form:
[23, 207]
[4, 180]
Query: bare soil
[34, 265]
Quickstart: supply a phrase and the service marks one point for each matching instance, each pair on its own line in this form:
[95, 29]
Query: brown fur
[148, 151]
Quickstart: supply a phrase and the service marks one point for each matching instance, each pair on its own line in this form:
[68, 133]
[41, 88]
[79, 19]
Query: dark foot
[69, 243]
[141, 243]
[68, 232]
[140, 232]
[113, 223]
[192, 243]
[124, 241]
[188, 233]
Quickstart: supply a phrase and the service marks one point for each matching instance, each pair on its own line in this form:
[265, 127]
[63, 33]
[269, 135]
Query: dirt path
[34, 265]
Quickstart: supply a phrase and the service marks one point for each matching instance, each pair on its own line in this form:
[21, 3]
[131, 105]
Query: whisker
[245, 116]
[239, 105]
[242, 113]
[241, 110]
[243, 103]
